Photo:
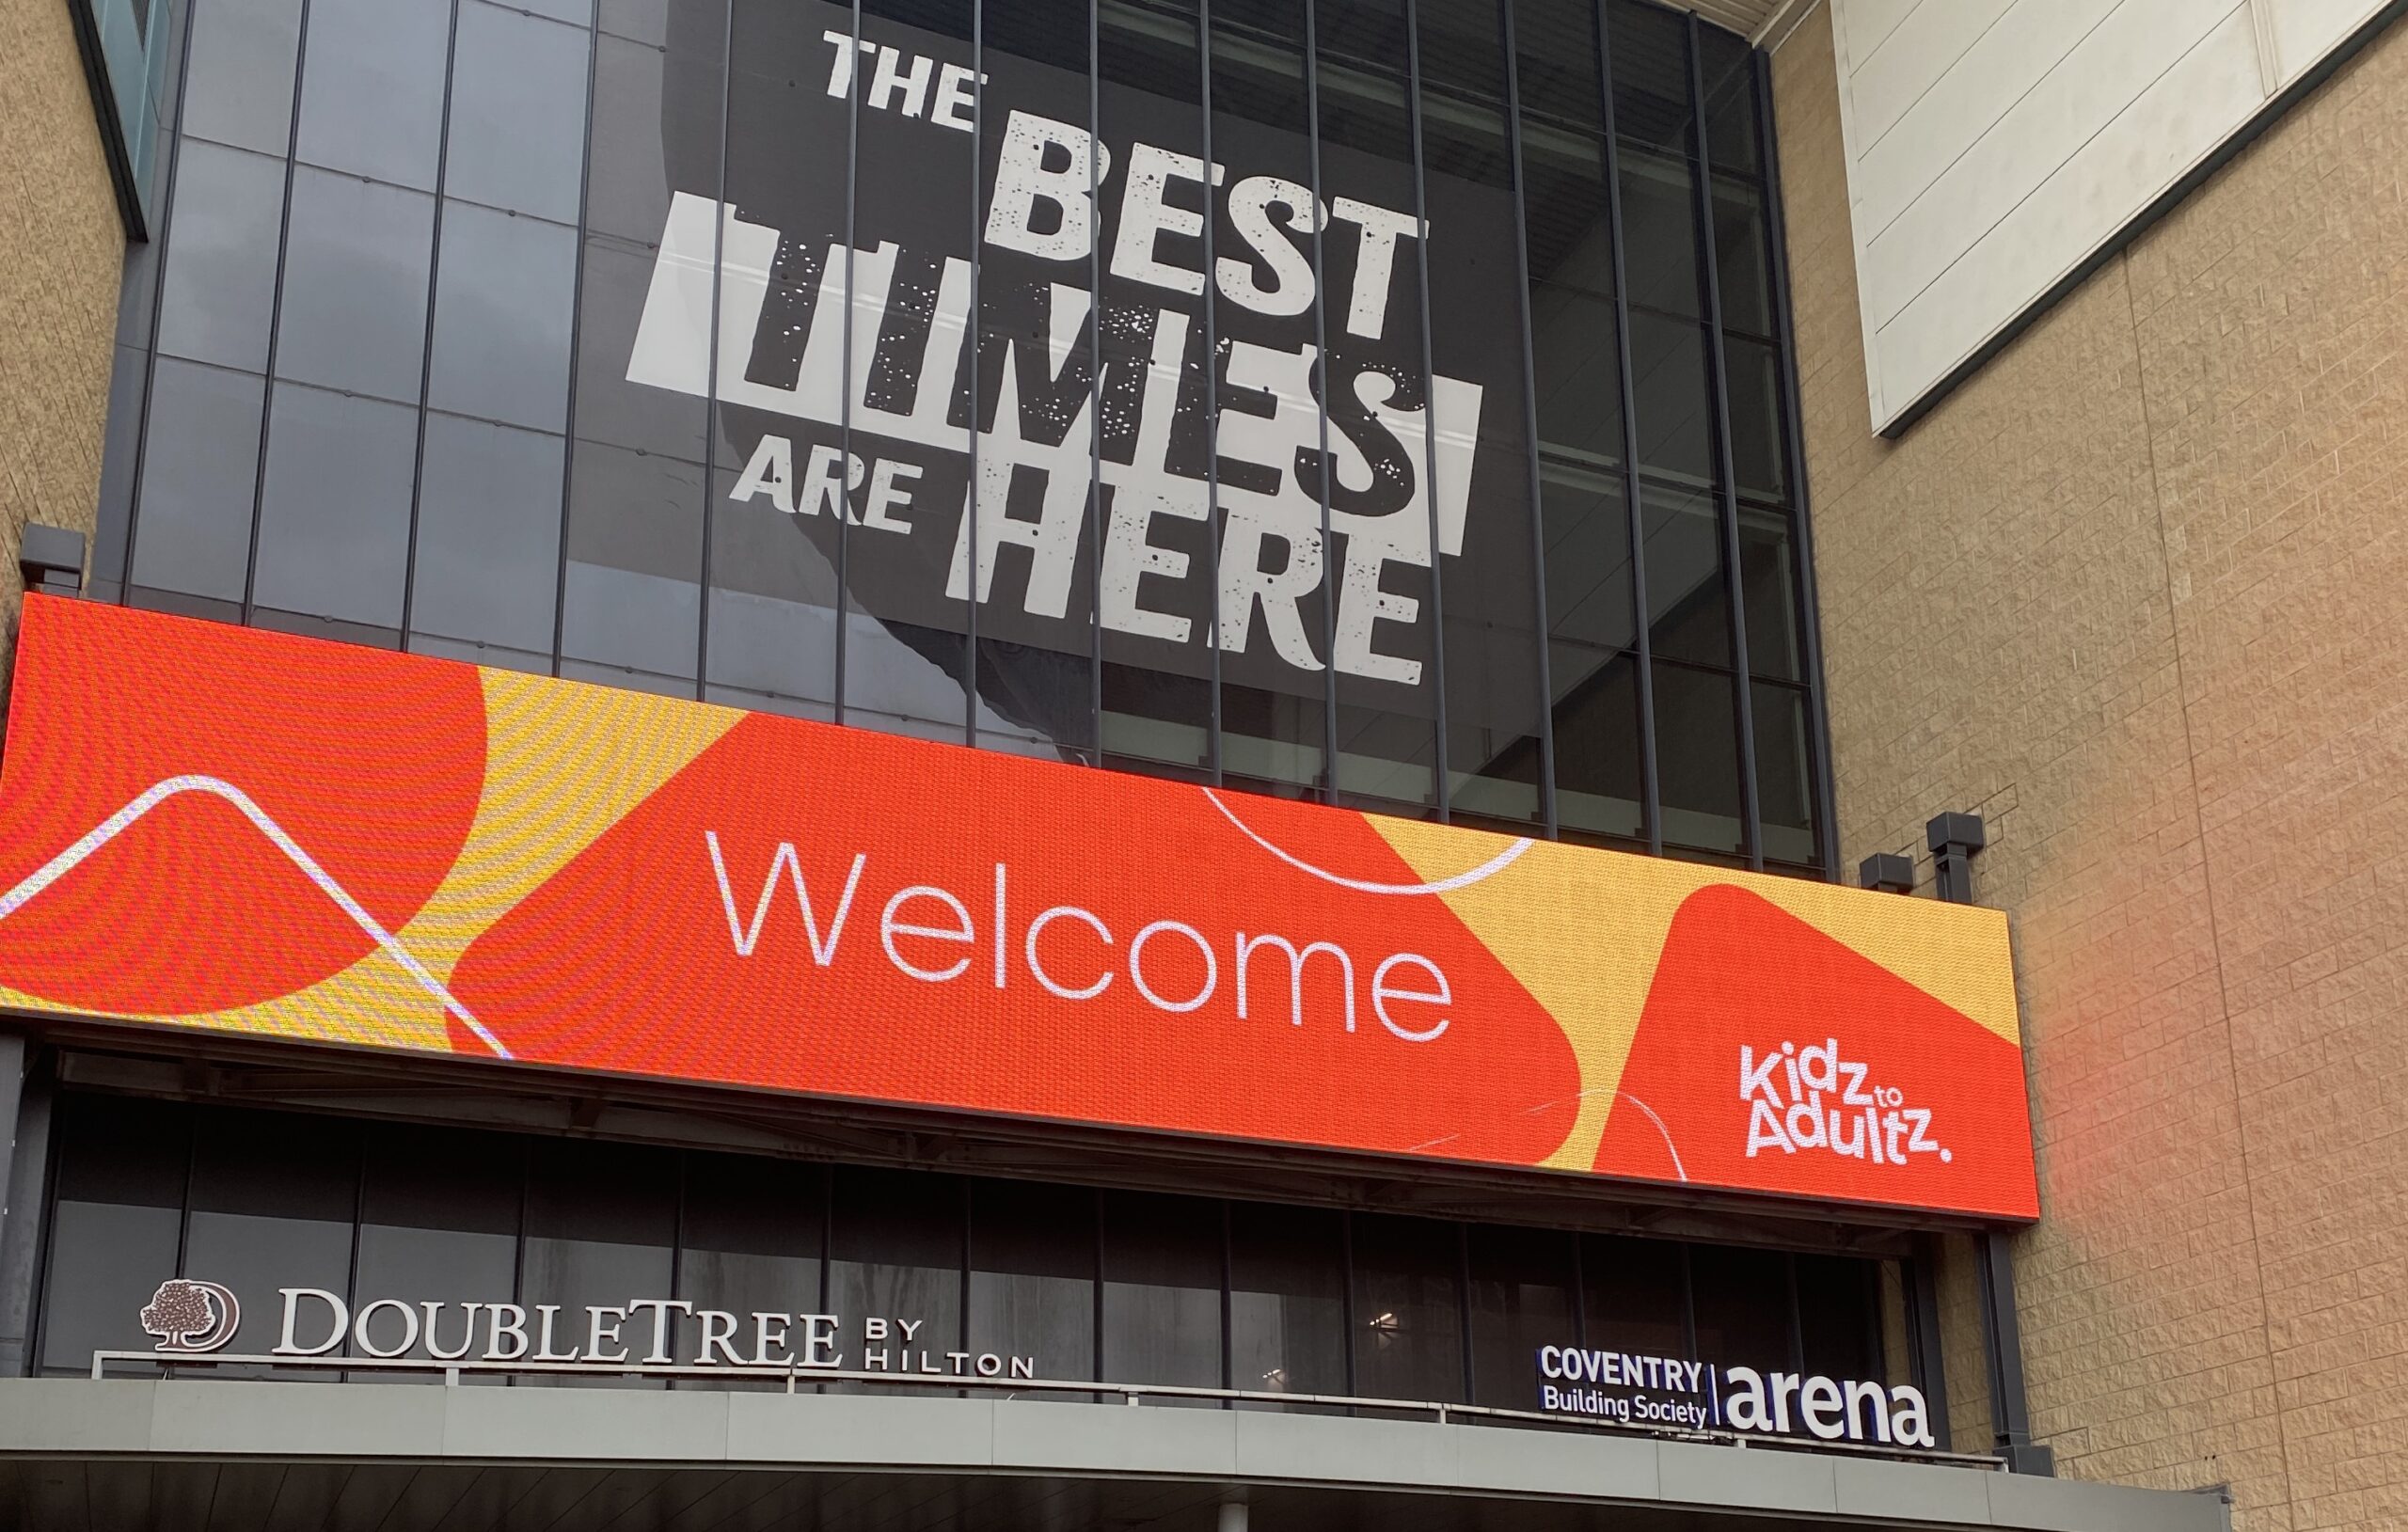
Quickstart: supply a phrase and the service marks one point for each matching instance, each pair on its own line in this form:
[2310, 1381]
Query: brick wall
[61, 248]
[2138, 593]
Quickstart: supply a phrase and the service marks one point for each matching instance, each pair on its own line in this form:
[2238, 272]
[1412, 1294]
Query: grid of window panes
[385, 377]
[1114, 1285]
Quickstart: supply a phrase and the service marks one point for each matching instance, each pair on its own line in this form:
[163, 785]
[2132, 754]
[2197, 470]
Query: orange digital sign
[206, 826]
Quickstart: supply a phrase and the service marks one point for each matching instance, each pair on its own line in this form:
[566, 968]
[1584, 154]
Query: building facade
[1393, 496]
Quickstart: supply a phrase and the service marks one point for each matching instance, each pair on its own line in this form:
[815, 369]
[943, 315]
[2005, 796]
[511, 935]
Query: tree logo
[189, 1316]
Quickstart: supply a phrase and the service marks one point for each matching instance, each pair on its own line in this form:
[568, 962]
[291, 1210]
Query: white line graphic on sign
[1496, 863]
[117, 824]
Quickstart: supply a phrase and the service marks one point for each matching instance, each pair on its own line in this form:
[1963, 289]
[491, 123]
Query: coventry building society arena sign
[1643, 1390]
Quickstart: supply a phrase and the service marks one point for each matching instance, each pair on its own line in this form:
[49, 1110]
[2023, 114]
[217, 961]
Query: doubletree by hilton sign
[190, 1318]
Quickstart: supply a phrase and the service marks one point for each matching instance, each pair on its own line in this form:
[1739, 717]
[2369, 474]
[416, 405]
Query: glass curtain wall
[1379, 401]
[1110, 1285]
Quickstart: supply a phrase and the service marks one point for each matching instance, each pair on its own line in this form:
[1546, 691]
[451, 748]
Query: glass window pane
[438, 1218]
[1589, 596]
[1668, 380]
[1742, 258]
[750, 1244]
[1733, 137]
[1161, 1290]
[356, 255]
[634, 558]
[897, 1254]
[273, 1199]
[117, 1212]
[518, 112]
[1768, 584]
[503, 297]
[1759, 453]
[335, 507]
[1697, 758]
[1743, 1308]
[1635, 1293]
[1286, 1299]
[220, 284]
[1660, 255]
[371, 89]
[601, 1222]
[1576, 363]
[1598, 789]
[1688, 600]
[1650, 83]
[1033, 1275]
[1522, 1299]
[1494, 696]
[238, 86]
[200, 472]
[488, 534]
[1838, 1324]
[637, 480]
[1784, 773]
[1409, 1308]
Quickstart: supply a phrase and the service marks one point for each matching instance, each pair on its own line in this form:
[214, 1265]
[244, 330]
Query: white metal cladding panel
[1995, 145]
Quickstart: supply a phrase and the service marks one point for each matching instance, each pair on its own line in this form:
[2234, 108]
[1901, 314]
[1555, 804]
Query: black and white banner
[1062, 436]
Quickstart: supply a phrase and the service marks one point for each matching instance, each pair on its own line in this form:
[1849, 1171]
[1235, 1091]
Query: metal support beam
[1953, 838]
[1924, 1361]
[2002, 1343]
[24, 1126]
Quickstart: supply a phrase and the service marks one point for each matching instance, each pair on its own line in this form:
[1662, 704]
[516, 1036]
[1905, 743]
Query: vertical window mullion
[973, 342]
[1329, 580]
[164, 236]
[1530, 418]
[1633, 505]
[1437, 680]
[1809, 615]
[426, 344]
[1095, 385]
[845, 382]
[575, 338]
[1725, 497]
[1212, 516]
[710, 394]
[275, 309]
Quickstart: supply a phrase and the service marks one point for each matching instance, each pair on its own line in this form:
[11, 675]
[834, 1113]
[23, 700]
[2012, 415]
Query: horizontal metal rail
[797, 1375]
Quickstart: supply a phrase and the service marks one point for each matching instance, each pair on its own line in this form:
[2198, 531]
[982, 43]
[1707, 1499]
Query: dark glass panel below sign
[1409, 1308]
[1286, 1299]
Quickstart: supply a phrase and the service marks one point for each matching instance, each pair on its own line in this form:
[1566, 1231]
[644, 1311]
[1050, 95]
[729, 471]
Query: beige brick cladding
[2138, 593]
[61, 248]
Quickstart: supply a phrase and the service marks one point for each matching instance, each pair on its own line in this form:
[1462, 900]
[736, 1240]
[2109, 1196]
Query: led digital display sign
[212, 827]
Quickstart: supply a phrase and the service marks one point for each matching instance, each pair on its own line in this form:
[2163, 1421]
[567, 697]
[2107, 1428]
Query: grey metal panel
[1762, 1480]
[572, 1425]
[860, 1429]
[1117, 1438]
[207, 1418]
[1391, 1451]
[2023, 1500]
[1912, 1491]
[1535, 1462]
